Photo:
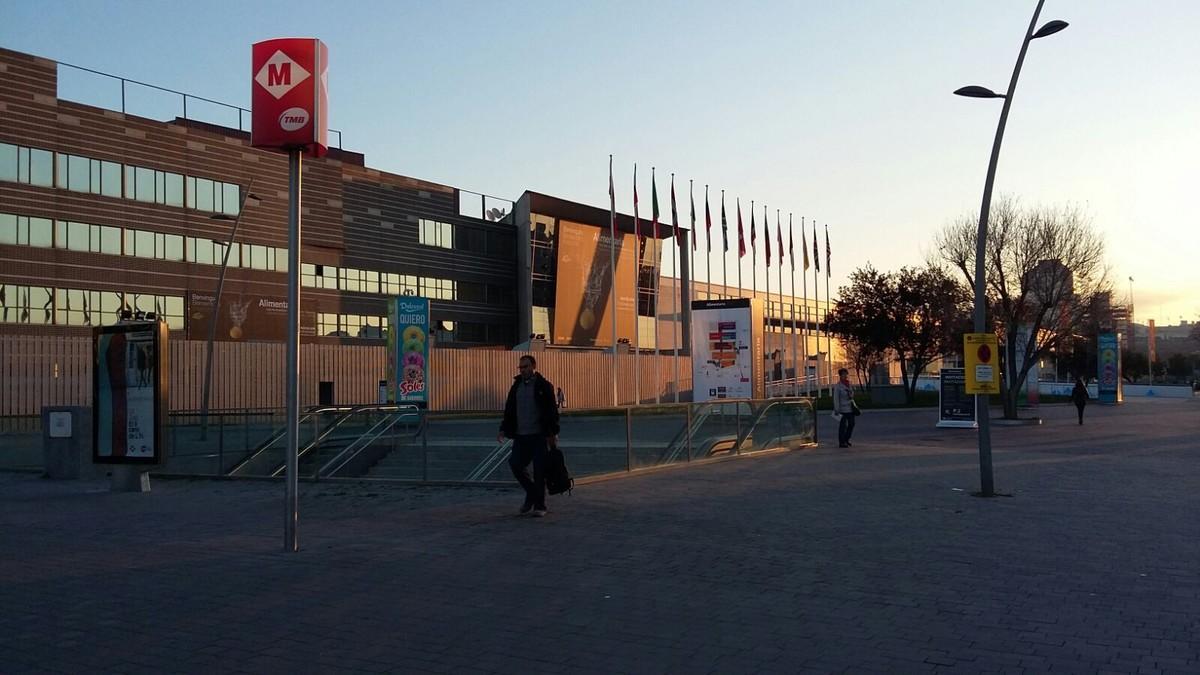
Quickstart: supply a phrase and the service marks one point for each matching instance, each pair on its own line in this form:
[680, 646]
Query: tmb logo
[280, 74]
[293, 119]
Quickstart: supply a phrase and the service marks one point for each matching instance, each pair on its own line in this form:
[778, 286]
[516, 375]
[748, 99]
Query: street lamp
[252, 199]
[987, 487]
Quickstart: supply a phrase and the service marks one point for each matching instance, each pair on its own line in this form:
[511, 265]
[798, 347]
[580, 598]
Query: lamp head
[975, 91]
[1049, 28]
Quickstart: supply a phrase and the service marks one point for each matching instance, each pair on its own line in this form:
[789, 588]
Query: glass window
[8, 162]
[281, 259]
[190, 193]
[77, 236]
[22, 165]
[8, 228]
[143, 244]
[94, 182]
[143, 189]
[40, 305]
[237, 254]
[41, 167]
[129, 182]
[110, 179]
[371, 282]
[307, 274]
[232, 197]
[174, 189]
[110, 240]
[206, 252]
[78, 173]
[258, 257]
[174, 247]
[204, 194]
[160, 187]
[41, 232]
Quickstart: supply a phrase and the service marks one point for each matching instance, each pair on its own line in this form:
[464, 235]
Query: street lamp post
[212, 318]
[987, 487]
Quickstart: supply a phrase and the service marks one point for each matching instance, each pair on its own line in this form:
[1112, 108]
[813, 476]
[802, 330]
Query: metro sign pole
[289, 111]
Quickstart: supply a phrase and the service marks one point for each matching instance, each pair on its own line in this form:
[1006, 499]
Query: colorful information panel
[956, 408]
[1108, 371]
[726, 349]
[981, 355]
[408, 350]
[129, 387]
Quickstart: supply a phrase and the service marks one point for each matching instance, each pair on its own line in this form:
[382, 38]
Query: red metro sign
[289, 99]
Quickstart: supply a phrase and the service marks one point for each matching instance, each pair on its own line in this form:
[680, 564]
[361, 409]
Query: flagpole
[767, 308]
[612, 272]
[779, 241]
[828, 337]
[637, 293]
[656, 268]
[792, 259]
[707, 244]
[753, 255]
[676, 324]
[817, 305]
[804, 315]
[724, 249]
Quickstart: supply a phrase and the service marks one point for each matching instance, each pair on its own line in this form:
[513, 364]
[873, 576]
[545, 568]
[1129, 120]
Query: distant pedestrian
[562, 400]
[531, 421]
[1079, 396]
[843, 404]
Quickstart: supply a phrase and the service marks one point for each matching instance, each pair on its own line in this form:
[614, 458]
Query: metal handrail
[489, 463]
[370, 436]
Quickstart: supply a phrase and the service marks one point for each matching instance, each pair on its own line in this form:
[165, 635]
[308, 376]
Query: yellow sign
[982, 361]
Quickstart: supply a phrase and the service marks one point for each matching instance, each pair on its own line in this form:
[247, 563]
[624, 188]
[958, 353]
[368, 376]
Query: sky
[840, 113]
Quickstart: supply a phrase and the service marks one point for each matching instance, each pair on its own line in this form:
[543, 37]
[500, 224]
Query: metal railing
[243, 114]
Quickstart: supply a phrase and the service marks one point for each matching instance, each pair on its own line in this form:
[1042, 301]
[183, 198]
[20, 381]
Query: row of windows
[351, 325]
[434, 233]
[42, 305]
[370, 281]
[113, 179]
[111, 240]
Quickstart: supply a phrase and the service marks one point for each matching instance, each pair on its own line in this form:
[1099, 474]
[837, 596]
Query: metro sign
[289, 95]
[280, 74]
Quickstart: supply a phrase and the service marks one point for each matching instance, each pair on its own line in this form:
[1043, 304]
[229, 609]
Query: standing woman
[843, 404]
[1079, 396]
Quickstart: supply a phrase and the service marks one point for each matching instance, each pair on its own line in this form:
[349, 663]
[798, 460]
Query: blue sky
[836, 111]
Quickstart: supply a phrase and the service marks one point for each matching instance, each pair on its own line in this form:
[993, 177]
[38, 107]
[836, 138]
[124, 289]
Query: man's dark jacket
[543, 396]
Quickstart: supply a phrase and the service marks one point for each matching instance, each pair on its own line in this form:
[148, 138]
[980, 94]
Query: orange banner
[582, 296]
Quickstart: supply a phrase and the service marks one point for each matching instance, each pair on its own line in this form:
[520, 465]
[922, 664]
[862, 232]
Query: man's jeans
[528, 449]
[845, 428]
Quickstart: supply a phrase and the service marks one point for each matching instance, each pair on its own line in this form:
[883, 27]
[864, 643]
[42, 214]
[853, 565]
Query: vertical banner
[980, 354]
[408, 350]
[956, 408]
[1108, 371]
[727, 349]
[129, 389]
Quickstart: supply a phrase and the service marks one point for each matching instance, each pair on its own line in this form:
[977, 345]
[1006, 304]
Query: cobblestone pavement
[871, 559]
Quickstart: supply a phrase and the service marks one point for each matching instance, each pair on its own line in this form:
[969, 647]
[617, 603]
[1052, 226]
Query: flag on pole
[741, 233]
[816, 253]
[804, 244]
[779, 231]
[791, 244]
[707, 222]
[637, 224]
[767, 239]
[828, 253]
[612, 202]
[753, 232]
[692, 201]
[674, 214]
[724, 224]
[654, 206]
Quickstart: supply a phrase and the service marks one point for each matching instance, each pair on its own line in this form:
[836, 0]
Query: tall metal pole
[804, 315]
[792, 260]
[292, 366]
[216, 310]
[828, 301]
[612, 272]
[753, 255]
[724, 248]
[637, 293]
[767, 310]
[677, 323]
[707, 243]
[987, 485]
[781, 338]
[817, 308]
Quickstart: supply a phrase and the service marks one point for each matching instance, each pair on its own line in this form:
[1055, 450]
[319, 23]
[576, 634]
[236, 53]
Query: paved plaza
[871, 559]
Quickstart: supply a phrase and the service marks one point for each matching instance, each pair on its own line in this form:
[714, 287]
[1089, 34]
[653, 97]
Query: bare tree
[1045, 272]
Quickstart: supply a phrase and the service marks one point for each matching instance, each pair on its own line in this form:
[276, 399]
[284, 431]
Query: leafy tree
[1045, 271]
[1134, 365]
[917, 315]
[1179, 365]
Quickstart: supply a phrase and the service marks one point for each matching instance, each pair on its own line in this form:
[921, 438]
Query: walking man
[531, 421]
[1079, 395]
[843, 404]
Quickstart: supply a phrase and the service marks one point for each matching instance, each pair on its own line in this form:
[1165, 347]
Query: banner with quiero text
[408, 350]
